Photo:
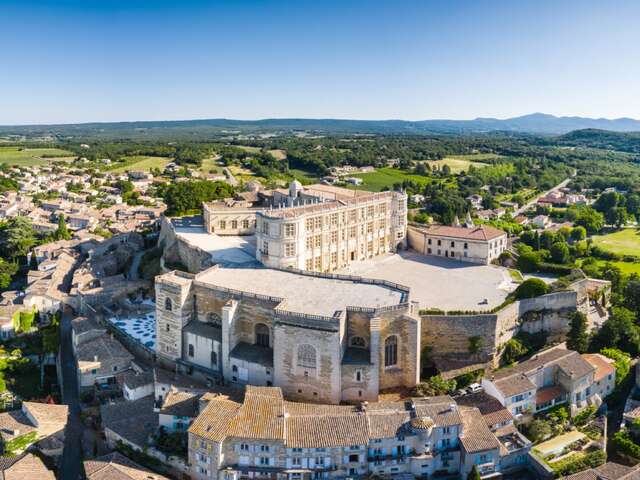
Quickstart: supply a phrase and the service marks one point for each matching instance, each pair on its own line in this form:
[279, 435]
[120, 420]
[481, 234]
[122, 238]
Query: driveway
[71, 466]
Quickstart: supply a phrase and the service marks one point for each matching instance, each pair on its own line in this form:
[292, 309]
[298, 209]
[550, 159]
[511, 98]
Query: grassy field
[458, 163]
[32, 156]
[623, 242]
[210, 165]
[140, 163]
[626, 268]
[386, 177]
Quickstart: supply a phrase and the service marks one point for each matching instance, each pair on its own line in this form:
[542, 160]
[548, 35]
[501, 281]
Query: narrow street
[533, 201]
[71, 466]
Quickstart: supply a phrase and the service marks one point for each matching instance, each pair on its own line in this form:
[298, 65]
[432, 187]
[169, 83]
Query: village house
[556, 376]
[466, 243]
[420, 437]
[117, 466]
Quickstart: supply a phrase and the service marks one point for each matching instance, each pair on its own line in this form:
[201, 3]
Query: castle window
[466, 245]
[214, 358]
[262, 335]
[306, 356]
[358, 375]
[214, 319]
[191, 350]
[358, 342]
[289, 230]
[245, 224]
[168, 306]
[391, 351]
[265, 248]
[234, 224]
[223, 225]
[290, 249]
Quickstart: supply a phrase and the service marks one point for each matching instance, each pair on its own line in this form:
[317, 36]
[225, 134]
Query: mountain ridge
[534, 123]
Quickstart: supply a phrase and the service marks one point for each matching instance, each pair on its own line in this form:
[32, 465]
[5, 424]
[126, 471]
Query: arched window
[391, 351]
[262, 335]
[168, 306]
[306, 356]
[358, 342]
[214, 319]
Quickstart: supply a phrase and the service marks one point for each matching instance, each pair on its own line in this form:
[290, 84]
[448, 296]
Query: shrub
[578, 462]
[530, 288]
[435, 385]
[623, 443]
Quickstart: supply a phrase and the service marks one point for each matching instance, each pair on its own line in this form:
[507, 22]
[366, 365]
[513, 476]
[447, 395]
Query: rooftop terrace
[302, 293]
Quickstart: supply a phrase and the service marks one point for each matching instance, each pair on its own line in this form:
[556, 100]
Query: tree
[539, 430]
[633, 204]
[7, 271]
[619, 331]
[632, 295]
[622, 362]
[435, 385]
[514, 350]
[560, 252]
[616, 216]
[578, 336]
[606, 201]
[17, 237]
[547, 239]
[474, 474]
[530, 288]
[590, 219]
[578, 234]
[62, 232]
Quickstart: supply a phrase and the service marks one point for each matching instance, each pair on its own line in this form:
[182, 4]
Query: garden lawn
[386, 177]
[20, 156]
[623, 242]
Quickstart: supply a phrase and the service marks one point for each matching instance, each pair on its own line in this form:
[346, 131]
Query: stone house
[269, 437]
[553, 377]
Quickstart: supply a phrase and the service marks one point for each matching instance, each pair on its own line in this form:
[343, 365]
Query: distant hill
[592, 138]
[537, 123]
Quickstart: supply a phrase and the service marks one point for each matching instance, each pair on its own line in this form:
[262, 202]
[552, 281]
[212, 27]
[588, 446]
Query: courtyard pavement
[438, 282]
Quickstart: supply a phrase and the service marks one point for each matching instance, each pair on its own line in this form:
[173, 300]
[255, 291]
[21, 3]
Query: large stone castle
[280, 314]
[320, 338]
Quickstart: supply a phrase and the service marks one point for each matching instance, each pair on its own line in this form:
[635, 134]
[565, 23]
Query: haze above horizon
[74, 61]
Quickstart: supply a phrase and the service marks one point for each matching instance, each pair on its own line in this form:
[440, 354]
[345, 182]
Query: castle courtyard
[440, 283]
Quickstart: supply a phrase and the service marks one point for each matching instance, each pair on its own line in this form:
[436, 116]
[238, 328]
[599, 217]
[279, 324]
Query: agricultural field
[140, 163]
[279, 154]
[623, 242]
[20, 156]
[386, 177]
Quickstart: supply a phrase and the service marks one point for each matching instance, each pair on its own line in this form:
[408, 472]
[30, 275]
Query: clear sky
[69, 61]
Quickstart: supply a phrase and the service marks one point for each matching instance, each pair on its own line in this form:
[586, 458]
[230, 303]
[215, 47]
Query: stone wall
[177, 250]
[450, 336]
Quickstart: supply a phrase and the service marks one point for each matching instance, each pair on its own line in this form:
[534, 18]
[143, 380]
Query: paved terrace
[224, 250]
[438, 282]
[302, 293]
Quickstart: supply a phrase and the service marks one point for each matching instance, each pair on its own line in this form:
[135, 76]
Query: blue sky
[88, 60]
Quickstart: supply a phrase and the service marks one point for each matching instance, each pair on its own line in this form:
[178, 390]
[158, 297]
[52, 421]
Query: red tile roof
[478, 232]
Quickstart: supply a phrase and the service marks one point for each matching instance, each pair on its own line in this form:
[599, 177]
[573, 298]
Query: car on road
[475, 388]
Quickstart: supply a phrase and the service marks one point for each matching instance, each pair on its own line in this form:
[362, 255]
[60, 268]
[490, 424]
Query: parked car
[475, 388]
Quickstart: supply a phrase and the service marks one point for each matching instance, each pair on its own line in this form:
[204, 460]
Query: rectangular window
[244, 447]
[223, 225]
[289, 230]
[191, 350]
[352, 232]
[309, 264]
[318, 223]
[290, 249]
[334, 258]
[234, 224]
[245, 223]
[318, 263]
[265, 248]
[214, 358]
[317, 241]
[334, 237]
[309, 243]
[308, 224]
